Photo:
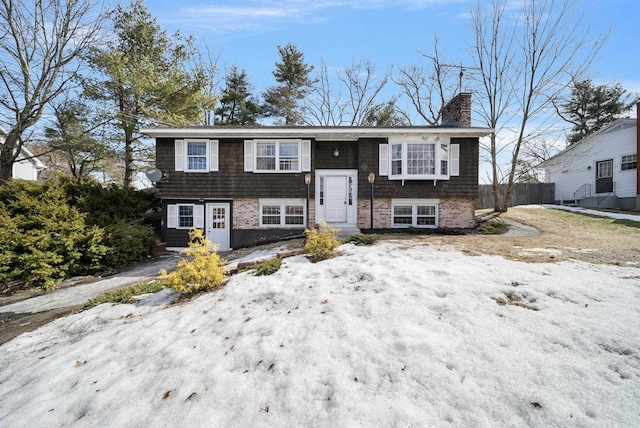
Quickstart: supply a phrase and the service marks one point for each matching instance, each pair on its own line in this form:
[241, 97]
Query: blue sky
[247, 32]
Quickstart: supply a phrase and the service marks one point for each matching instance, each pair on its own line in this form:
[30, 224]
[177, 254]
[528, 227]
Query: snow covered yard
[397, 334]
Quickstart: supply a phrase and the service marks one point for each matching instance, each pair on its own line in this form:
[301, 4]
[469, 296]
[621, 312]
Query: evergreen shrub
[321, 244]
[200, 269]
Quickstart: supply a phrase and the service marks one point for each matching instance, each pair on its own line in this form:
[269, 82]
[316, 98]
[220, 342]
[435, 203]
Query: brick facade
[456, 214]
[381, 213]
[246, 214]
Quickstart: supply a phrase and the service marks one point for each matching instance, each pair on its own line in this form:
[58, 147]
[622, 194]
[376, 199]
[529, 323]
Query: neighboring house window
[419, 159]
[605, 169]
[196, 155]
[277, 156]
[282, 212]
[416, 213]
[185, 216]
[629, 162]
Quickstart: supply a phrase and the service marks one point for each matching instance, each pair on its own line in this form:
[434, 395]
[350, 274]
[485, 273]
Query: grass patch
[266, 267]
[361, 239]
[125, 295]
[493, 227]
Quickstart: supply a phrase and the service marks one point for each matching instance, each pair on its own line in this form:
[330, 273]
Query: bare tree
[526, 59]
[350, 98]
[41, 43]
[429, 87]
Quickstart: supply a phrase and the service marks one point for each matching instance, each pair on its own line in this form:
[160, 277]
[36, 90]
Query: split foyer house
[246, 185]
[601, 170]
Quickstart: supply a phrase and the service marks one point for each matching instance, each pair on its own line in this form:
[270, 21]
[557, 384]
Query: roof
[25, 154]
[623, 123]
[345, 133]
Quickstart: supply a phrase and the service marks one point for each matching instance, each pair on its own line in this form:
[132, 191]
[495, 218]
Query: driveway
[28, 310]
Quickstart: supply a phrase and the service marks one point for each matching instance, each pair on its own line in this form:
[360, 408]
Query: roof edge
[319, 133]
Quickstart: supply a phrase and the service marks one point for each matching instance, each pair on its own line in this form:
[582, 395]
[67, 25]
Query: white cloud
[257, 15]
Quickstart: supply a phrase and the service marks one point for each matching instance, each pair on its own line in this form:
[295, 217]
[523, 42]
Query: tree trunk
[129, 169]
[8, 153]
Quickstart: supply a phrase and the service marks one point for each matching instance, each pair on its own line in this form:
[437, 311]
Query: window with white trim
[282, 212]
[604, 169]
[196, 155]
[414, 213]
[427, 158]
[185, 216]
[266, 156]
[629, 162]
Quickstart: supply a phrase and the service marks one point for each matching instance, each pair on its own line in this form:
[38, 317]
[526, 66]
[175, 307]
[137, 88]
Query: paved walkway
[73, 295]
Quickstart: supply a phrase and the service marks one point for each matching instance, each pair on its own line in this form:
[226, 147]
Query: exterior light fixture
[307, 181]
[336, 153]
[371, 179]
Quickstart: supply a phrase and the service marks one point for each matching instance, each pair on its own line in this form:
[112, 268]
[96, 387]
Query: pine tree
[145, 79]
[590, 107]
[294, 84]
[237, 106]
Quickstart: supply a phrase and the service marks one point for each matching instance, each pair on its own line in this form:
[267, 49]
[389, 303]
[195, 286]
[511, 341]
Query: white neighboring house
[600, 170]
[26, 166]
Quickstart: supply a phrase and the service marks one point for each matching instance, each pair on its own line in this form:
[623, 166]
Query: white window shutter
[248, 156]
[172, 216]
[383, 166]
[198, 217]
[213, 155]
[454, 164]
[179, 155]
[306, 155]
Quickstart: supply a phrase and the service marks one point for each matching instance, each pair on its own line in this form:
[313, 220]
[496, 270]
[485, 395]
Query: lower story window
[282, 212]
[185, 216]
[416, 213]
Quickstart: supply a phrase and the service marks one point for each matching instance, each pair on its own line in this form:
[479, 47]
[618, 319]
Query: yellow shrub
[321, 244]
[201, 269]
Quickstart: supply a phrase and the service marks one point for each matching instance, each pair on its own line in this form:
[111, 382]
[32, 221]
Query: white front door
[336, 199]
[217, 223]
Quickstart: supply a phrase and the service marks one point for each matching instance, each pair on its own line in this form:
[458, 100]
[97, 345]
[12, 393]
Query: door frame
[208, 222]
[601, 182]
[352, 190]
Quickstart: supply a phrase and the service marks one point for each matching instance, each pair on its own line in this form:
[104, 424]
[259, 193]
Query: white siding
[576, 166]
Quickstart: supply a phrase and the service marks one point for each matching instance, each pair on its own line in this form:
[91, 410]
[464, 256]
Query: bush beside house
[61, 228]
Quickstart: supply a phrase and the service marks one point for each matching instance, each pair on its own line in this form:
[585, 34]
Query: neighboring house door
[604, 176]
[336, 199]
[217, 224]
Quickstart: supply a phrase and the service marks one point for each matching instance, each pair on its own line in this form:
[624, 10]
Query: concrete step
[608, 201]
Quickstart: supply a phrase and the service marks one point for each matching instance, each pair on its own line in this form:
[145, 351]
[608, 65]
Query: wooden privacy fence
[522, 194]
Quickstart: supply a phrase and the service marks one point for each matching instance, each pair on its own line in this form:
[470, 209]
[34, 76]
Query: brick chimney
[457, 112]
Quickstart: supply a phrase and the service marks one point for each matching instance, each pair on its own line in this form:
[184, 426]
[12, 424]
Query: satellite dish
[154, 175]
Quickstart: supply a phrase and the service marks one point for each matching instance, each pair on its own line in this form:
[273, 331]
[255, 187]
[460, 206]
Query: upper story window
[629, 162]
[196, 155]
[277, 156]
[430, 157]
